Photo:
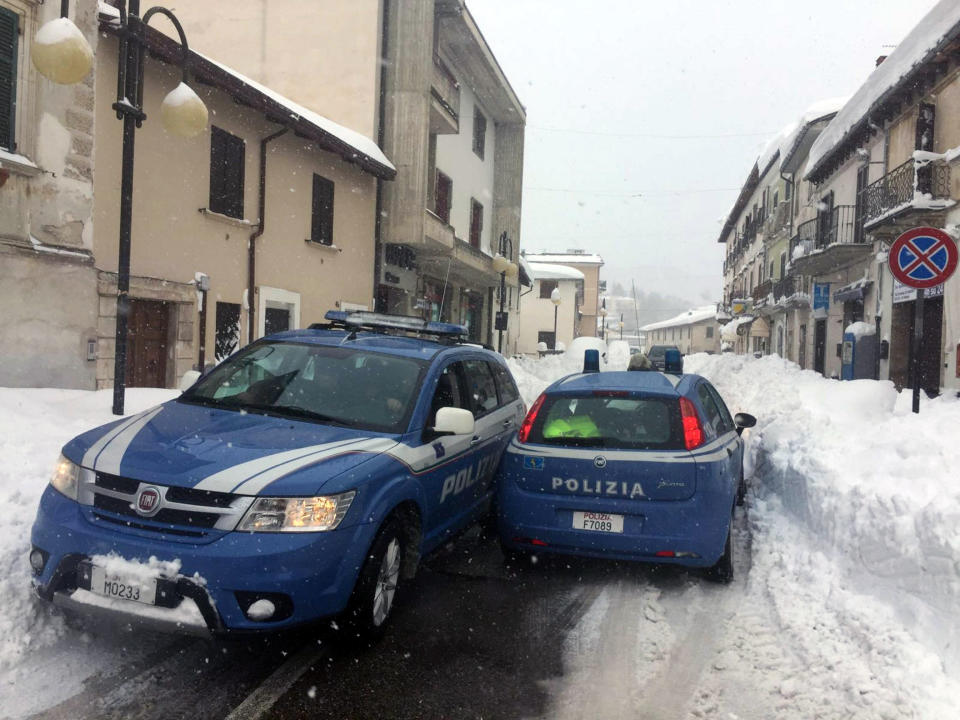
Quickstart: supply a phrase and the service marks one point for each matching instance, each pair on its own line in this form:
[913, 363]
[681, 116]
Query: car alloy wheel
[386, 586]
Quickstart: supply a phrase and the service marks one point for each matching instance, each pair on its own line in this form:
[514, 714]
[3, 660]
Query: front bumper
[544, 523]
[316, 572]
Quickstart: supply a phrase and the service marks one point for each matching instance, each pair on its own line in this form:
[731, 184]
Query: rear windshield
[630, 422]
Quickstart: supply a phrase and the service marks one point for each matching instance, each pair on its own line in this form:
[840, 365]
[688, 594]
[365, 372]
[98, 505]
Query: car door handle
[475, 440]
[508, 423]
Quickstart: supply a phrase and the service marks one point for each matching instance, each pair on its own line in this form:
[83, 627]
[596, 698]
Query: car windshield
[334, 385]
[629, 422]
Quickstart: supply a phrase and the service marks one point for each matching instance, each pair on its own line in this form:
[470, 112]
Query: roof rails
[363, 320]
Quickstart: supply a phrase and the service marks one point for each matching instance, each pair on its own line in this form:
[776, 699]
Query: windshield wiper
[296, 411]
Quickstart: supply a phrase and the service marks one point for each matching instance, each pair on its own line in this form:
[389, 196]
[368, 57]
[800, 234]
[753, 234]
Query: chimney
[880, 59]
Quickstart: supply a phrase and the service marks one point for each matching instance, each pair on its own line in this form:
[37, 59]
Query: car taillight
[528, 421]
[692, 430]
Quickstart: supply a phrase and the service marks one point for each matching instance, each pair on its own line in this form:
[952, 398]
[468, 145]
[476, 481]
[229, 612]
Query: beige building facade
[273, 205]
[48, 331]
[261, 223]
[421, 77]
[554, 324]
[693, 331]
[590, 300]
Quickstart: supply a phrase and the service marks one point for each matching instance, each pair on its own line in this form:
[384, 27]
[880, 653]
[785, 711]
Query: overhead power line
[662, 193]
[652, 136]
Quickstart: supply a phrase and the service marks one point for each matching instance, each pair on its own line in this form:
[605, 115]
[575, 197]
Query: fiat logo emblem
[600, 461]
[148, 501]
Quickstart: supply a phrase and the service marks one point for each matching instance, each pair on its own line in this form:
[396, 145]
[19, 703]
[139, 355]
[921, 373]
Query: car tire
[741, 488]
[488, 521]
[722, 571]
[374, 595]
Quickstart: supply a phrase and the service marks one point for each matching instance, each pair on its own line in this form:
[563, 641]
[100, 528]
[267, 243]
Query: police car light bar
[372, 320]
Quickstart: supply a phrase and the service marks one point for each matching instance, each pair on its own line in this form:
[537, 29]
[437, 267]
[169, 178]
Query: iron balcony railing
[786, 288]
[899, 187]
[761, 291]
[838, 225]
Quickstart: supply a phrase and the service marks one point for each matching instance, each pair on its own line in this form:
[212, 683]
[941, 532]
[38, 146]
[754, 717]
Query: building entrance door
[820, 346]
[147, 336]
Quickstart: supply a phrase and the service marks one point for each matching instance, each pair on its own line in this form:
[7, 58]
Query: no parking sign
[921, 258]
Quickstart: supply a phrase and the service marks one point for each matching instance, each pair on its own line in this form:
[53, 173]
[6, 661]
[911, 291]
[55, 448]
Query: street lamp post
[59, 55]
[555, 299]
[503, 264]
[603, 319]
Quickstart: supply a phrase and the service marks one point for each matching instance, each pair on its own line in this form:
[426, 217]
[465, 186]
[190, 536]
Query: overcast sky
[644, 118]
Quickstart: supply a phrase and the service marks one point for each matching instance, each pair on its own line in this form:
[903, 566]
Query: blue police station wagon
[637, 465]
[302, 477]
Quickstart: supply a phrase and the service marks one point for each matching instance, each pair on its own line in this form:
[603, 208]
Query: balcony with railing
[445, 99]
[832, 239]
[914, 185]
[790, 292]
[761, 292]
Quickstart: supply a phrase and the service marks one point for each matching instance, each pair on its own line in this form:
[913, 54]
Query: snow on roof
[550, 271]
[580, 259]
[689, 317]
[367, 152]
[941, 23]
[360, 142]
[817, 111]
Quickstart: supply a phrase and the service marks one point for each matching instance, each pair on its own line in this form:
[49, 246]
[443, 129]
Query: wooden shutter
[226, 173]
[321, 229]
[9, 41]
[476, 223]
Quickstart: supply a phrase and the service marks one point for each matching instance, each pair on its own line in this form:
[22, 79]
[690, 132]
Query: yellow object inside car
[576, 426]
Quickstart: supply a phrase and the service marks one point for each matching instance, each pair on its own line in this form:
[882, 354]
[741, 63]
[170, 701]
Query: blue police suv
[640, 465]
[302, 477]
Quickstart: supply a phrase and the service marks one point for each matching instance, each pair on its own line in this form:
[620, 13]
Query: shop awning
[854, 291]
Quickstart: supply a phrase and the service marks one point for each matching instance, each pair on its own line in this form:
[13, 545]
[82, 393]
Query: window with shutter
[321, 229]
[479, 133]
[443, 196]
[227, 154]
[476, 222]
[9, 42]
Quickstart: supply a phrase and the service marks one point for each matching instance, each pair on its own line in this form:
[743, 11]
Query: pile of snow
[34, 426]
[873, 482]
[860, 329]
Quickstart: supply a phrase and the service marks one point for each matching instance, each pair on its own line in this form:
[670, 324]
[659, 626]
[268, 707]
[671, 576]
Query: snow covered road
[845, 603]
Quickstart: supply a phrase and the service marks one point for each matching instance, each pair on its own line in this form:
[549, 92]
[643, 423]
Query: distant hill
[650, 307]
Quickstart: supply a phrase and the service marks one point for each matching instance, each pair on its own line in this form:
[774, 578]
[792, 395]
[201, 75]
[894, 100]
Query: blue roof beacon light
[382, 321]
[673, 362]
[591, 361]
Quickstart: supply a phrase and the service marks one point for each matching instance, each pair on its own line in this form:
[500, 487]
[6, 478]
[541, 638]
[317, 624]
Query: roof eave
[168, 50]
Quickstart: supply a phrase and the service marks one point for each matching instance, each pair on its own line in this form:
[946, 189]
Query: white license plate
[600, 522]
[142, 591]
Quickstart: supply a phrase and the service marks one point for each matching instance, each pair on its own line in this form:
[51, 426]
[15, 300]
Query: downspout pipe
[381, 135]
[261, 225]
[793, 189]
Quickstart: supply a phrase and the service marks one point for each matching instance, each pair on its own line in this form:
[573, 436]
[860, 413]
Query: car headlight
[65, 476]
[296, 514]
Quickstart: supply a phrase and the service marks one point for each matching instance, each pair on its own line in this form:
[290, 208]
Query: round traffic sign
[923, 257]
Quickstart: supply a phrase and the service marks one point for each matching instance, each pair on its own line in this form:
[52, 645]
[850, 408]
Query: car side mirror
[453, 421]
[188, 379]
[744, 420]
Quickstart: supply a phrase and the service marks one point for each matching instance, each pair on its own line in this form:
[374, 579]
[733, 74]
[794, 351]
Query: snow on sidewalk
[873, 483]
[34, 425]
